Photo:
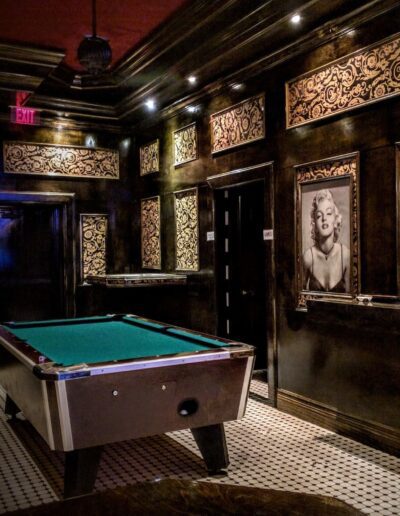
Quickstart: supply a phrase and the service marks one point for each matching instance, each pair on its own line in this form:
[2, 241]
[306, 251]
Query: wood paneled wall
[335, 361]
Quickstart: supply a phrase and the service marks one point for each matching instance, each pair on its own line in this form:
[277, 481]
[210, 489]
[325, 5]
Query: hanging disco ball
[94, 54]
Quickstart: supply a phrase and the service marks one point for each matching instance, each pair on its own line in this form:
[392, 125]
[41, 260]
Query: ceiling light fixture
[192, 79]
[295, 19]
[237, 86]
[150, 104]
[94, 52]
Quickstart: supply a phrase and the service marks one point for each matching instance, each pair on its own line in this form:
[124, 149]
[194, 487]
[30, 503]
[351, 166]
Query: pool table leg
[212, 445]
[80, 470]
[10, 407]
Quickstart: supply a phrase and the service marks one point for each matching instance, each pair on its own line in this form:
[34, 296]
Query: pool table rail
[52, 371]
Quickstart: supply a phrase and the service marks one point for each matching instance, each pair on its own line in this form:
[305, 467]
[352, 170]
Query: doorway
[35, 269]
[245, 264]
[241, 266]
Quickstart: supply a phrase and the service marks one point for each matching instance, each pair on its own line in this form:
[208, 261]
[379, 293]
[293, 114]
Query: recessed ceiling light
[237, 86]
[126, 142]
[150, 104]
[192, 109]
[295, 19]
[192, 79]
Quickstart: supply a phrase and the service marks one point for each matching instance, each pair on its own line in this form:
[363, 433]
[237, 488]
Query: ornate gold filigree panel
[150, 158]
[339, 175]
[150, 224]
[93, 230]
[185, 144]
[187, 230]
[238, 124]
[60, 160]
[366, 76]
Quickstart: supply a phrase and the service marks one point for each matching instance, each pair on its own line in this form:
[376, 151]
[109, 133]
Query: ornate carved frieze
[150, 224]
[366, 76]
[185, 144]
[60, 160]
[187, 230]
[93, 244]
[238, 124]
[150, 158]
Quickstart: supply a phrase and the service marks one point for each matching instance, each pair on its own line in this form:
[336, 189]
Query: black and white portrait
[326, 236]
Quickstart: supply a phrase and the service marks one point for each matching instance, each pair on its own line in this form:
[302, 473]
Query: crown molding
[318, 37]
[220, 43]
[70, 124]
[236, 44]
[33, 56]
[192, 18]
[62, 104]
[16, 81]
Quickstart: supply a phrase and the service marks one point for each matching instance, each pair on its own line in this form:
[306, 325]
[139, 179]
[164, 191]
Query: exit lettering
[25, 116]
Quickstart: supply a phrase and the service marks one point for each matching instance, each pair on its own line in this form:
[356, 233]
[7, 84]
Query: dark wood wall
[337, 364]
[91, 196]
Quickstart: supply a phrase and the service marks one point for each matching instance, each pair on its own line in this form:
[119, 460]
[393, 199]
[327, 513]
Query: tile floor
[268, 449]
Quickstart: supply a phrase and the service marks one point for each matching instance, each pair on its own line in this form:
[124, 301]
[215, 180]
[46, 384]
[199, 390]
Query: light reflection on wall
[7, 250]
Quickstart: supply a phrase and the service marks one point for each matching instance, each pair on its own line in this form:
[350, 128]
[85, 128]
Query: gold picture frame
[327, 229]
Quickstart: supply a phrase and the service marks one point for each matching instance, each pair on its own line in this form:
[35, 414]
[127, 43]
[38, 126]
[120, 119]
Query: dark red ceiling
[62, 24]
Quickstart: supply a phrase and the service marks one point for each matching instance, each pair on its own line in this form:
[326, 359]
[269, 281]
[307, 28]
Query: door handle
[246, 293]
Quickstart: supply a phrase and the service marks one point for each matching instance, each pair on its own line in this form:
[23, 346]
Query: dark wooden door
[31, 262]
[241, 288]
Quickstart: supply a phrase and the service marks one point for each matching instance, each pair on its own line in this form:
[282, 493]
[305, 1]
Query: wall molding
[371, 433]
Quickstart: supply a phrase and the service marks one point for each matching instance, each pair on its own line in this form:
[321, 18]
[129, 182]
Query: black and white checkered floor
[268, 449]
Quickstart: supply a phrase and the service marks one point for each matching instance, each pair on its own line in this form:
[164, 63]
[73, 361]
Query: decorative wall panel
[93, 244]
[150, 224]
[185, 144]
[150, 158]
[366, 76]
[238, 124]
[187, 230]
[60, 160]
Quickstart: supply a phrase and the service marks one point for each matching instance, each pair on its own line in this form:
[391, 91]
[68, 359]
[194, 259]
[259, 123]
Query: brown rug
[183, 497]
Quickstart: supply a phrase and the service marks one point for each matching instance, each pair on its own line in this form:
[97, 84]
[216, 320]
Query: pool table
[86, 382]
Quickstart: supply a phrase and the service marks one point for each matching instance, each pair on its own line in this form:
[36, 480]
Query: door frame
[66, 201]
[262, 172]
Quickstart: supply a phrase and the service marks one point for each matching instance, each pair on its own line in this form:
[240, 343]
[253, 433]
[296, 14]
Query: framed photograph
[397, 147]
[327, 261]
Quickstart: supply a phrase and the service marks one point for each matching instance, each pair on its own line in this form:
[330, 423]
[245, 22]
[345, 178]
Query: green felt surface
[94, 340]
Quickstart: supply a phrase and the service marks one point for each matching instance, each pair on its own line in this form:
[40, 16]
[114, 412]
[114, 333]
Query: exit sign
[24, 116]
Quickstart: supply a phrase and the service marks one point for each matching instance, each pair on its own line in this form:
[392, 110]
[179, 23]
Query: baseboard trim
[374, 434]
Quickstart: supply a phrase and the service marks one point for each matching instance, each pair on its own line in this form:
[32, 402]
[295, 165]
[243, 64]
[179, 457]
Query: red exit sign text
[26, 116]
